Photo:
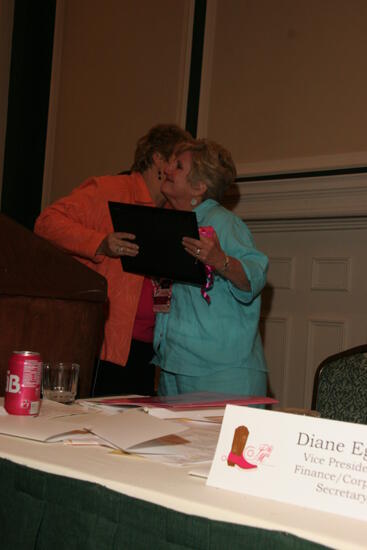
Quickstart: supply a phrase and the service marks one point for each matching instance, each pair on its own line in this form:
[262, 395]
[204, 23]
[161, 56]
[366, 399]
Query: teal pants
[239, 381]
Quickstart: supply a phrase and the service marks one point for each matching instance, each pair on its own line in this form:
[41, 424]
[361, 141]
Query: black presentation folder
[159, 233]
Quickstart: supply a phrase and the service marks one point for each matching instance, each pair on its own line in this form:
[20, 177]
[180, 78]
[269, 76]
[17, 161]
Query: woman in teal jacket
[211, 342]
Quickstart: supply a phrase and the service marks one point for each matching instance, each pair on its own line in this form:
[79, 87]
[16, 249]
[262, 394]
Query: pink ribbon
[209, 283]
[208, 232]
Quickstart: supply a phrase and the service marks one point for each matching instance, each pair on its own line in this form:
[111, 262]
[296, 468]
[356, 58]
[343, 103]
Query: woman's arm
[76, 223]
[232, 269]
[209, 251]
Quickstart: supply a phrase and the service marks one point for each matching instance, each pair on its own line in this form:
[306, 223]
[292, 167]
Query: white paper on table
[33, 427]
[90, 405]
[202, 415]
[196, 445]
[81, 438]
[121, 431]
[53, 409]
[125, 429]
[201, 470]
[50, 409]
[132, 427]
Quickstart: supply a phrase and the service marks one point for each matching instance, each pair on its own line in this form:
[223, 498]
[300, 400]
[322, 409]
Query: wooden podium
[49, 302]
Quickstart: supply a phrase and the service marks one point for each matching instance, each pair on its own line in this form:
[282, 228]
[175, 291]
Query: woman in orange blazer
[80, 224]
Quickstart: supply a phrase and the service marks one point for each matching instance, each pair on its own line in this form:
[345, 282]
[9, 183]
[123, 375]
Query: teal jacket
[196, 338]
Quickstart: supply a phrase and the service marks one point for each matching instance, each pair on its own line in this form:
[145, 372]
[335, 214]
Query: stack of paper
[120, 431]
[186, 401]
[179, 430]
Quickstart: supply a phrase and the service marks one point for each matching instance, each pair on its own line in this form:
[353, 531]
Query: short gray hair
[212, 164]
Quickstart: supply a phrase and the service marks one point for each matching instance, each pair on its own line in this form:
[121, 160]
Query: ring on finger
[198, 252]
[121, 249]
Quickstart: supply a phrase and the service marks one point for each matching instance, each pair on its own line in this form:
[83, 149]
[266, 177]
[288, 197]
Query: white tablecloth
[174, 488]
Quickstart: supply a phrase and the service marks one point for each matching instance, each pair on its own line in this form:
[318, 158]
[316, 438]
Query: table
[58, 496]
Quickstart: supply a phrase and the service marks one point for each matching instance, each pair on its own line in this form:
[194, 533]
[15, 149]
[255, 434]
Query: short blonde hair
[162, 138]
[212, 164]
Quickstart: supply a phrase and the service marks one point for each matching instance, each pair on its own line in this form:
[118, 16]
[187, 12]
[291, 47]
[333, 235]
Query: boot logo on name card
[240, 455]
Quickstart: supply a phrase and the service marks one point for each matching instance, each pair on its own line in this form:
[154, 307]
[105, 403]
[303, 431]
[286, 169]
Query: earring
[193, 202]
[159, 175]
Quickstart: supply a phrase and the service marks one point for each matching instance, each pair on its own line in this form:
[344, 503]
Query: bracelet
[226, 264]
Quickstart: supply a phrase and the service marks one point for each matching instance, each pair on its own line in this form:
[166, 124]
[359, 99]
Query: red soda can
[23, 383]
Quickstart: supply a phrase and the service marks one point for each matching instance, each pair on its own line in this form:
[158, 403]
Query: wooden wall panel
[326, 301]
[282, 83]
[275, 333]
[118, 69]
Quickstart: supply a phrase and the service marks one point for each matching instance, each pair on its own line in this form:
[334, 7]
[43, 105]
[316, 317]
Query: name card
[311, 462]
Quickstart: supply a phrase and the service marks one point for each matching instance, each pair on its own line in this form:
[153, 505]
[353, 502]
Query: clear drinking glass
[60, 381]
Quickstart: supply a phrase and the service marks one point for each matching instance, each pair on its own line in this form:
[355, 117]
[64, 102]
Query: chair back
[340, 386]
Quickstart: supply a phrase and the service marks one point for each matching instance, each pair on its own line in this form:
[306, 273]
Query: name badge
[311, 462]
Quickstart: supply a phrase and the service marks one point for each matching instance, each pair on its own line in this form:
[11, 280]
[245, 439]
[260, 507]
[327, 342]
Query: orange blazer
[77, 224]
